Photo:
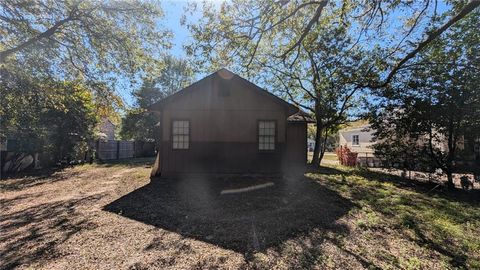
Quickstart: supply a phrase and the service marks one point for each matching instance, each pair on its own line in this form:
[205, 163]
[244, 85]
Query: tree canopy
[241, 31]
[319, 54]
[138, 123]
[430, 116]
[52, 117]
[64, 59]
[82, 39]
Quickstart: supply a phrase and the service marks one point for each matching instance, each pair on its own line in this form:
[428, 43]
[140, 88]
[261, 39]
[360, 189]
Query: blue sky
[173, 11]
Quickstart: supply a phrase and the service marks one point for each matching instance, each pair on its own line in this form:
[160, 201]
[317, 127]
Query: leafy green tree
[236, 32]
[52, 117]
[52, 52]
[70, 120]
[318, 54]
[138, 123]
[82, 39]
[108, 103]
[322, 80]
[433, 111]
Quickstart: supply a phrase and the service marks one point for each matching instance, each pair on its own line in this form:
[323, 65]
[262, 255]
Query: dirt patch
[245, 222]
[113, 216]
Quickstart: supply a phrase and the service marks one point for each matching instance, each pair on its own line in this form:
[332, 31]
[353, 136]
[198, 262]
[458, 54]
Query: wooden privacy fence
[114, 149]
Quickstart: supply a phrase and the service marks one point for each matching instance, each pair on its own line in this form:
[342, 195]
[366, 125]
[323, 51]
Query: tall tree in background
[53, 117]
[258, 38]
[235, 32]
[322, 80]
[139, 124]
[91, 39]
[432, 115]
[101, 43]
[52, 48]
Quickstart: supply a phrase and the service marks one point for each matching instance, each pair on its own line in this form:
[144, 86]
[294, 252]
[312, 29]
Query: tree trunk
[322, 153]
[323, 146]
[316, 150]
[450, 183]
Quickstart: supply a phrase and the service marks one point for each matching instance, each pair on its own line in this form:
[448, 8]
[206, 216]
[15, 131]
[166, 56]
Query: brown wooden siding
[218, 157]
[215, 118]
[296, 151]
[223, 130]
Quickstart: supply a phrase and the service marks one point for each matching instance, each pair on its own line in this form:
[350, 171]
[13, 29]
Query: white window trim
[269, 137]
[185, 142]
[353, 140]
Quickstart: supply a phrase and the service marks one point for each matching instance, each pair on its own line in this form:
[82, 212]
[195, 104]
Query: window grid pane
[266, 135]
[355, 140]
[180, 132]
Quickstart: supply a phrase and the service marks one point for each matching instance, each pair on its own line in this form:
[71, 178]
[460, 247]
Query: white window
[181, 134]
[355, 140]
[266, 135]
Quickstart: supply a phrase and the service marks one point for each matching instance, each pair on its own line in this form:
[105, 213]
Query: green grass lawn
[330, 156]
[327, 156]
[406, 224]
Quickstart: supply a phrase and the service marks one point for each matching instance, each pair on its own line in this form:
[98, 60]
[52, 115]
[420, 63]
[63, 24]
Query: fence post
[97, 149]
[118, 149]
[134, 150]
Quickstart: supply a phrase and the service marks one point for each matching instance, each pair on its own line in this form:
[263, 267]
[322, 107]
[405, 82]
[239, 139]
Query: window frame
[358, 140]
[173, 120]
[274, 136]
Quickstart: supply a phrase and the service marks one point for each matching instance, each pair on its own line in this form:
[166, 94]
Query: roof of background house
[355, 125]
[222, 73]
[301, 116]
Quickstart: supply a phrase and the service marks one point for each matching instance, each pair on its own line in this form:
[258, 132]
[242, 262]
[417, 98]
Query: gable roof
[357, 125]
[222, 73]
[300, 117]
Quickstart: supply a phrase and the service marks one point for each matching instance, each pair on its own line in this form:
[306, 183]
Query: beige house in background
[357, 137]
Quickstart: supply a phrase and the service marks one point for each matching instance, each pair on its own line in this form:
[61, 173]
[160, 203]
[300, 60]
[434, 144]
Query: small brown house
[226, 124]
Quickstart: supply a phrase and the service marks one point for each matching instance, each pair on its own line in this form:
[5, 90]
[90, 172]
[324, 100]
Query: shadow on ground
[415, 206]
[424, 187]
[244, 222]
[33, 233]
[33, 178]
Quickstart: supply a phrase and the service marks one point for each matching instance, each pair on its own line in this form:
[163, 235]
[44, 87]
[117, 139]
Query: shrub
[346, 157]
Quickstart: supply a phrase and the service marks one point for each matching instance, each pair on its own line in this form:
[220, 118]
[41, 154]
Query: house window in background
[181, 134]
[355, 140]
[266, 135]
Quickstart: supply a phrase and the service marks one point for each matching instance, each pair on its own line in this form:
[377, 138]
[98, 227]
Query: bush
[346, 157]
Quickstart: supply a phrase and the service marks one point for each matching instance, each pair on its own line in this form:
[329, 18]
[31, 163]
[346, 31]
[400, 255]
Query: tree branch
[432, 36]
[49, 32]
[307, 29]
[72, 15]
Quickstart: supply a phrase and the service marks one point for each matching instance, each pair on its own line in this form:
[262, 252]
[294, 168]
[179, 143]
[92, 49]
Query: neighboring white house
[358, 138]
[310, 144]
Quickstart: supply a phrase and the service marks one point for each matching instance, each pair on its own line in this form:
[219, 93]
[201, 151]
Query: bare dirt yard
[113, 216]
